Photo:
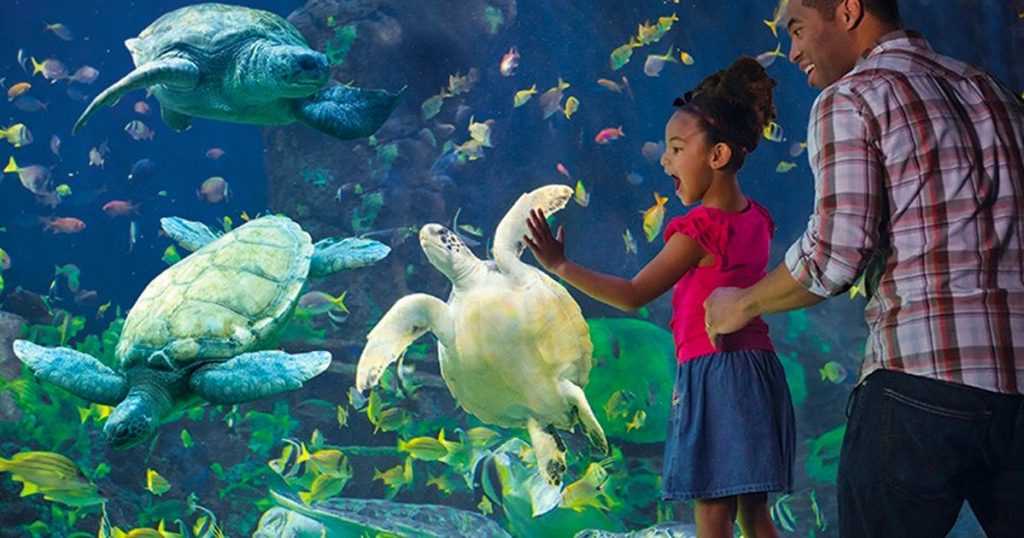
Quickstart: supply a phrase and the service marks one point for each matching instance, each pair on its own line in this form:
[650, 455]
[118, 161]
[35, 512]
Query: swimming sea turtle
[201, 329]
[513, 345]
[243, 65]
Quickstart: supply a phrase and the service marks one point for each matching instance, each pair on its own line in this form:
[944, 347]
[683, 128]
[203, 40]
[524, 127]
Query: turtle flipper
[255, 375]
[409, 318]
[177, 73]
[508, 238]
[549, 449]
[346, 112]
[332, 255]
[80, 374]
[189, 234]
[578, 399]
[175, 120]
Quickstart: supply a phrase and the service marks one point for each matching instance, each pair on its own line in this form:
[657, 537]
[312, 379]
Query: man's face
[822, 48]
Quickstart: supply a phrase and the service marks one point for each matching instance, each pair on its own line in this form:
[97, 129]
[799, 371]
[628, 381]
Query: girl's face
[687, 157]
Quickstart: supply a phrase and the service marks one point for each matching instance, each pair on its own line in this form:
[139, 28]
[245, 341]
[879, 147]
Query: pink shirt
[740, 243]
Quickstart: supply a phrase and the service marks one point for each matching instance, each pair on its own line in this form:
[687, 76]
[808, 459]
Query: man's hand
[724, 313]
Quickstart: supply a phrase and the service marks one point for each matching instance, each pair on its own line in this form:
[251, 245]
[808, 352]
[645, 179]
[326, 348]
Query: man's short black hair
[885, 10]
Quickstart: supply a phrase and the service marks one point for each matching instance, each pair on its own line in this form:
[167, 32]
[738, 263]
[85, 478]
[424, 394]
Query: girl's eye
[676, 150]
[796, 33]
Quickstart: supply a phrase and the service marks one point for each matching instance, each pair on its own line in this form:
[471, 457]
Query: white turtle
[513, 345]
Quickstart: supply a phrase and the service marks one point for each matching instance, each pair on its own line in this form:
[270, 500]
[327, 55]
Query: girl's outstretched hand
[549, 250]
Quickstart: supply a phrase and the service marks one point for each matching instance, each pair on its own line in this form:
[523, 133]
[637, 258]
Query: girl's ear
[720, 156]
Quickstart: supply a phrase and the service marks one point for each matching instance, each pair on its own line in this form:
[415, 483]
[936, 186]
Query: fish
[819, 517]
[773, 24]
[214, 153]
[621, 55]
[63, 225]
[686, 58]
[18, 135]
[156, 484]
[5, 260]
[141, 107]
[509, 62]
[63, 190]
[142, 170]
[767, 58]
[834, 372]
[797, 148]
[609, 85]
[481, 131]
[652, 151]
[634, 178]
[53, 475]
[432, 106]
[784, 167]
[572, 104]
[85, 75]
[580, 194]
[608, 134]
[133, 234]
[52, 69]
[460, 84]
[630, 243]
[638, 421]
[522, 96]
[55, 145]
[186, 439]
[342, 415]
[589, 490]
[563, 170]
[485, 506]
[98, 155]
[782, 513]
[171, 255]
[551, 100]
[17, 89]
[654, 216]
[655, 63]
[139, 130]
[28, 103]
[214, 190]
[119, 208]
[424, 448]
[60, 30]
[34, 177]
[317, 302]
[773, 132]
[396, 477]
[618, 404]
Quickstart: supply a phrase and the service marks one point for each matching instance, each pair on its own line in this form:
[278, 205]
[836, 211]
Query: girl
[731, 437]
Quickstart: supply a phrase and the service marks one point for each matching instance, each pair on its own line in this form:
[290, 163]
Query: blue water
[571, 40]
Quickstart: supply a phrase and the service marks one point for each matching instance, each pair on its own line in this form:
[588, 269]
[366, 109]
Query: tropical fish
[654, 216]
[686, 58]
[782, 513]
[797, 148]
[608, 134]
[34, 177]
[784, 167]
[60, 30]
[133, 234]
[317, 302]
[629, 242]
[85, 75]
[620, 56]
[139, 130]
[509, 62]
[655, 63]
[156, 484]
[522, 96]
[652, 151]
[214, 153]
[55, 476]
[63, 190]
[551, 100]
[63, 225]
[98, 155]
[119, 208]
[186, 439]
[581, 195]
[55, 145]
[342, 416]
[834, 372]
[30, 104]
[432, 105]
[767, 58]
[638, 421]
[618, 404]
[142, 170]
[460, 84]
[213, 190]
[51, 69]
[424, 448]
[396, 477]
[141, 107]
[18, 135]
[17, 89]
[589, 490]
[773, 132]
[171, 255]
[481, 131]
[609, 85]
[572, 104]
[5, 260]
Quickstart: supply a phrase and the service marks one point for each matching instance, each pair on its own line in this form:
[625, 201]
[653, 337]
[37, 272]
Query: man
[919, 171]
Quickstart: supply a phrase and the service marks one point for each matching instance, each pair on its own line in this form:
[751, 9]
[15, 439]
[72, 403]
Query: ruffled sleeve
[709, 229]
[767, 217]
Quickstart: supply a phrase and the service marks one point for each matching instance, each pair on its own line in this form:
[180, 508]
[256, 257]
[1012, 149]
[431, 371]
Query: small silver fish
[85, 75]
[138, 130]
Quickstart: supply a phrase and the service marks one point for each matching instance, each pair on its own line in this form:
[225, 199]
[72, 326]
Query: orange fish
[63, 225]
[509, 62]
[14, 91]
[608, 134]
[118, 208]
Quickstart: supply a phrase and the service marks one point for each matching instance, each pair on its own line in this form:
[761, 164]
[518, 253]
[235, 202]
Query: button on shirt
[920, 157]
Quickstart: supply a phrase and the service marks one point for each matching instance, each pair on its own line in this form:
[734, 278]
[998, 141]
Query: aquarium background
[410, 173]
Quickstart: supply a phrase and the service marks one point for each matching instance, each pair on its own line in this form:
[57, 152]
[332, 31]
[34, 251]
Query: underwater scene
[229, 233]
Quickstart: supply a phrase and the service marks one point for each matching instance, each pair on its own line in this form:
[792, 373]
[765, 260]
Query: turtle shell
[224, 299]
[208, 29]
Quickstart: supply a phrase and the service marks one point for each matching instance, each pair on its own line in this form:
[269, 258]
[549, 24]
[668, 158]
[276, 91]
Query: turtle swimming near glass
[513, 345]
[241, 65]
[203, 328]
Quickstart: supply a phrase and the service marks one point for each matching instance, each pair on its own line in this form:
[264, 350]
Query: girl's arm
[678, 256]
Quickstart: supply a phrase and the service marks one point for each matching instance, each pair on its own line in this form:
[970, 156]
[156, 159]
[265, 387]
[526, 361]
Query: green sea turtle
[243, 65]
[202, 329]
[513, 345]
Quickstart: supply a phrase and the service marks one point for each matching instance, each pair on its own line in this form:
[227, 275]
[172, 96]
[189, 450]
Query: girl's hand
[549, 250]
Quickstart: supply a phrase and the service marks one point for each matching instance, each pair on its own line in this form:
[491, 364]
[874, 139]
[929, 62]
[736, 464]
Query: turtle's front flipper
[409, 318]
[578, 399]
[177, 73]
[175, 120]
[549, 449]
[345, 112]
[508, 237]
[73, 371]
[251, 376]
[332, 255]
[189, 234]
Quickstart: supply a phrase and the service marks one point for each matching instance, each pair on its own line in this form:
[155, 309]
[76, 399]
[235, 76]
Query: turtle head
[283, 70]
[448, 253]
[135, 419]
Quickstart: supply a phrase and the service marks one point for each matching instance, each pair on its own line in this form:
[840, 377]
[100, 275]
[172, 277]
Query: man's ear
[851, 13]
[720, 156]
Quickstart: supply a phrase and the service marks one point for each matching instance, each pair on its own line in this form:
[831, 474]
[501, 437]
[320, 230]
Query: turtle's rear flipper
[189, 234]
[345, 112]
[549, 450]
[73, 371]
[177, 73]
[578, 399]
[251, 376]
[332, 255]
[408, 319]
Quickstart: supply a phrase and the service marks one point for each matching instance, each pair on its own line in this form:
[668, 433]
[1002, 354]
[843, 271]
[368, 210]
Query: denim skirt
[731, 429]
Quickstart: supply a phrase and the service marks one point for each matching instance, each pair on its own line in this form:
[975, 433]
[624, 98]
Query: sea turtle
[513, 345]
[202, 329]
[243, 65]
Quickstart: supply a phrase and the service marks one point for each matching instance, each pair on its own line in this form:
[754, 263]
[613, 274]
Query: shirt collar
[895, 40]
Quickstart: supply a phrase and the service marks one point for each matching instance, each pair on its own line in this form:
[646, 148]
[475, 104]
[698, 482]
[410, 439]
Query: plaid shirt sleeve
[848, 170]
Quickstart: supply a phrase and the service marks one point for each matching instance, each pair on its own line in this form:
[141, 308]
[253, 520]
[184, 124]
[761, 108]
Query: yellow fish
[342, 416]
[425, 448]
[55, 476]
[654, 216]
[627, 238]
[522, 96]
[581, 195]
[589, 490]
[638, 421]
[686, 58]
[620, 56]
[481, 436]
[773, 132]
[155, 483]
[480, 131]
[485, 506]
[572, 104]
[395, 477]
[784, 167]
[18, 135]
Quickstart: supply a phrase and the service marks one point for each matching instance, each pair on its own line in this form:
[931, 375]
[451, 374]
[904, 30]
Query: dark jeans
[916, 448]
